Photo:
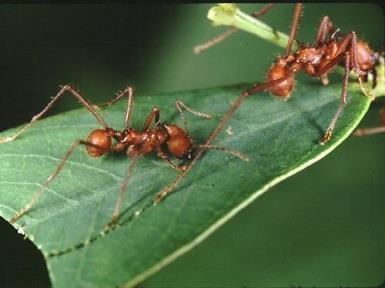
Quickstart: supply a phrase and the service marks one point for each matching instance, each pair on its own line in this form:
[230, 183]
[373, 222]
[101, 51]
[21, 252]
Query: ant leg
[39, 193]
[356, 67]
[351, 39]
[164, 156]
[369, 131]
[179, 105]
[129, 92]
[258, 87]
[345, 81]
[373, 130]
[294, 26]
[201, 47]
[329, 66]
[204, 46]
[342, 49]
[262, 11]
[65, 88]
[323, 30]
[123, 188]
[264, 86]
[150, 117]
[235, 153]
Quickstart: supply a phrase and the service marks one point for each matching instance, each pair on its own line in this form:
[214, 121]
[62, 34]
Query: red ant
[135, 142]
[317, 61]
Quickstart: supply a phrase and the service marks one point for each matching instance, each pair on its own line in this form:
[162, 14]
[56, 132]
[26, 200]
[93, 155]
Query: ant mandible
[135, 142]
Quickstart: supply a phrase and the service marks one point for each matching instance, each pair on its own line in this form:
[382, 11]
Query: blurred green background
[322, 227]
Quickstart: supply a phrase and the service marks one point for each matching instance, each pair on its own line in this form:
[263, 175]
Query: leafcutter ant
[135, 142]
[317, 61]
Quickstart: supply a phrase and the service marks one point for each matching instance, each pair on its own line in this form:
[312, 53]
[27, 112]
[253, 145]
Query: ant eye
[100, 143]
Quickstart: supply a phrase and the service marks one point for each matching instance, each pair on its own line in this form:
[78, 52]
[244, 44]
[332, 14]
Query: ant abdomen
[178, 142]
[100, 141]
[284, 88]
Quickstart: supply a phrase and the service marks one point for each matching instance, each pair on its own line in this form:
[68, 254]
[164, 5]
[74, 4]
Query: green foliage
[279, 137]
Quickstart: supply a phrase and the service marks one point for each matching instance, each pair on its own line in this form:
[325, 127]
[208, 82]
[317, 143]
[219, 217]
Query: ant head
[365, 56]
[99, 142]
[285, 87]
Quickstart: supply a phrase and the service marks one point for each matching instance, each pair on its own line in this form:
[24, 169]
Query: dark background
[322, 227]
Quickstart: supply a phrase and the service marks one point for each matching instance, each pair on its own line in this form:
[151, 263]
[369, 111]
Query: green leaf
[280, 138]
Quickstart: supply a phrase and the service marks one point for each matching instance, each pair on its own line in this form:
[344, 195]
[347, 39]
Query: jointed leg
[294, 26]
[373, 130]
[164, 156]
[324, 29]
[39, 193]
[235, 153]
[63, 90]
[123, 188]
[330, 129]
[199, 48]
[265, 85]
[369, 131]
[153, 114]
[179, 105]
[363, 89]
[233, 107]
[129, 92]
[204, 46]
[256, 88]
[352, 39]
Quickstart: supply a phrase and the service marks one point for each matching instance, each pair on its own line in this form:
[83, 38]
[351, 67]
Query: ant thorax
[151, 136]
[309, 55]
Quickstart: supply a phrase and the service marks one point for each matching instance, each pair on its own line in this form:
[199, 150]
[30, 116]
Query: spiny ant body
[142, 142]
[318, 60]
[159, 138]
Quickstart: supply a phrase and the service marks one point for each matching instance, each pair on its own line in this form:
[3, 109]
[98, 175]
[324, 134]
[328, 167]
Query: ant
[134, 142]
[316, 61]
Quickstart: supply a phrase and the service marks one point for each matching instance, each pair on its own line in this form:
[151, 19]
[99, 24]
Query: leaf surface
[280, 138]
